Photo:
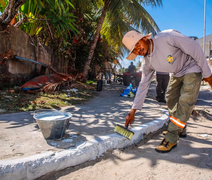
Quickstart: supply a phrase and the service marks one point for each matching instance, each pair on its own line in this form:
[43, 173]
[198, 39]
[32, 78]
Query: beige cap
[130, 39]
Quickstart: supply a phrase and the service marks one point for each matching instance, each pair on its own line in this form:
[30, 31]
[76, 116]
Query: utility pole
[204, 26]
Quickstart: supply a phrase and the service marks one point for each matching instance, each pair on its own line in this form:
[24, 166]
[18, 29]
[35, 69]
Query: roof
[207, 39]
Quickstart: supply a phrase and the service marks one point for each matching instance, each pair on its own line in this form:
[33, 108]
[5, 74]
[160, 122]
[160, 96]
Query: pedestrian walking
[172, 52]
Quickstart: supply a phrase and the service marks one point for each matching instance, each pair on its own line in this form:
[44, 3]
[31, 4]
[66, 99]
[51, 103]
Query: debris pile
[49, 83]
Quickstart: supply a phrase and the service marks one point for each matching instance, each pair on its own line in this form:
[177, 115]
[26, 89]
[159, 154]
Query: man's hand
[208, 80]
[130, 117]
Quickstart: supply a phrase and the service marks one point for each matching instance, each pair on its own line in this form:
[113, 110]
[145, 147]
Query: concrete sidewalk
[25, 154]
[190, 160]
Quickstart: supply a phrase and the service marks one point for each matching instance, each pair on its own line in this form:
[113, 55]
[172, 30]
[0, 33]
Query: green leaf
[38, 30]
[50, 17]
[3, 3]
[69, 3]
[39, 5]
[42, 4]
[67, 9]
[54, 20]
[63, 8]
[71, 15]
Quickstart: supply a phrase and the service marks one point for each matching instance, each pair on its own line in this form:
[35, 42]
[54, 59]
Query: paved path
[22, 137]
[26, 154]
[190, 160]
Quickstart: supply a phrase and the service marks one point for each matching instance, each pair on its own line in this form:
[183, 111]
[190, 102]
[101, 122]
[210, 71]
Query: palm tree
[121, 16]
[53, 17]
[50, 18]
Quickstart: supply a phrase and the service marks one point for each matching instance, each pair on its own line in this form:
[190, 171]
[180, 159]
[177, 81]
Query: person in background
[132, 71]
[131, 68]
[162, 80]
[114, 73]
[108, 69]
[172, 52]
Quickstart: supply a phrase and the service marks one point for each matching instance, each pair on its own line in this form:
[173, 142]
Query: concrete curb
[38, 165]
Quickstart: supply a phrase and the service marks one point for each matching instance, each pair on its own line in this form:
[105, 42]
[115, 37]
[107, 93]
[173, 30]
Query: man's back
[131, 68]
[107, 66]
[177, 54]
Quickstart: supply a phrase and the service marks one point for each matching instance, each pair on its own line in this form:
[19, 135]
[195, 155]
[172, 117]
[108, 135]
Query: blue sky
[186, 16]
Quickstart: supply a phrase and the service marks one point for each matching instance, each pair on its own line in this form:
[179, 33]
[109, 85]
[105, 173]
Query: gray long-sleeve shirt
[173, 53]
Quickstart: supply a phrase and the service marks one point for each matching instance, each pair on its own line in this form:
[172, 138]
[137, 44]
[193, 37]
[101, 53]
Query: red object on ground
[41, 81]
[127, 74]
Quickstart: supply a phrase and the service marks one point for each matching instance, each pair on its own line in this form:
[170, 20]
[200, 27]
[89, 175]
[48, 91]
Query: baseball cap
[130, 39]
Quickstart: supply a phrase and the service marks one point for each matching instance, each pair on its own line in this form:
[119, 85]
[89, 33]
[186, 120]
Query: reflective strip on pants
[177, 122]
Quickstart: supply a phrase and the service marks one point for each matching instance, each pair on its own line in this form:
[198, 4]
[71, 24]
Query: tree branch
[20, 22]
[10, 12]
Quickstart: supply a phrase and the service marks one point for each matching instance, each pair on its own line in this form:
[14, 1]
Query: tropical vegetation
[84, 32]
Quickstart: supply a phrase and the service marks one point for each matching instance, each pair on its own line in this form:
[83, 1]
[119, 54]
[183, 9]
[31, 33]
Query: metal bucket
[52, 123]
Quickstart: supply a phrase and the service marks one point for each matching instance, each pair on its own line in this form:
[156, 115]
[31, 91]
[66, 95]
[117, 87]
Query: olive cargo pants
[181, 96]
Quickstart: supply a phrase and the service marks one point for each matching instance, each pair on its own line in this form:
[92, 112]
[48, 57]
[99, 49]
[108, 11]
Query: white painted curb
[38, 165]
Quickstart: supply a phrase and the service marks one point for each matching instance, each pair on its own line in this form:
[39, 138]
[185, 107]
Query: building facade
[208, 45]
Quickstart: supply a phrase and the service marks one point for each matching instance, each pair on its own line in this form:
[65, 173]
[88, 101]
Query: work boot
[165, 146]
[181, 135]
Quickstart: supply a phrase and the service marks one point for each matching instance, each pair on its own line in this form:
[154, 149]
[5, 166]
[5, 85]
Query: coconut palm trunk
[96, 37]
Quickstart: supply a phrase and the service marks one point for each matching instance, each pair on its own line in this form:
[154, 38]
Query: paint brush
[124, 131]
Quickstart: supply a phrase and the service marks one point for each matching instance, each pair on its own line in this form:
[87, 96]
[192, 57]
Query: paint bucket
[52, 123]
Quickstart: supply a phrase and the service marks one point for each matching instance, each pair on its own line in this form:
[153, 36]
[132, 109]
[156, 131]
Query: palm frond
[125, 15]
